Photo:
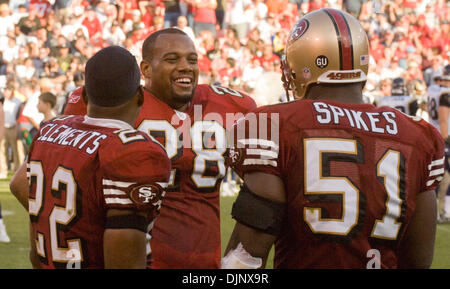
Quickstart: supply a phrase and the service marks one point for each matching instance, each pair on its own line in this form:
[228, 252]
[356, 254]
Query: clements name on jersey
[64, 135]
[382, 122]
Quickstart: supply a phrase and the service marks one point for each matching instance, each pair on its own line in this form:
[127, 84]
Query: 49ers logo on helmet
[298, 30]
[343, 75]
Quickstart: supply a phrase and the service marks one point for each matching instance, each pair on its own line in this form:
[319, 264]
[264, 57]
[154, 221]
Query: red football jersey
[187, 233]
[352, 173]
[79, 168]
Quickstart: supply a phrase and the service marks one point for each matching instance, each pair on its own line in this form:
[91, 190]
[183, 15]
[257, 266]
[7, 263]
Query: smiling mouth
[184, 82]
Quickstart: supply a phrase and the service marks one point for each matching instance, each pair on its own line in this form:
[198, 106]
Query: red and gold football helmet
[325, 46]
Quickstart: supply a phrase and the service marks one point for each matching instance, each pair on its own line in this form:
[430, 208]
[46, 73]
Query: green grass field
[14, 255]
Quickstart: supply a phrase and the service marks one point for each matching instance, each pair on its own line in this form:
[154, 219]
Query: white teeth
[183, 80]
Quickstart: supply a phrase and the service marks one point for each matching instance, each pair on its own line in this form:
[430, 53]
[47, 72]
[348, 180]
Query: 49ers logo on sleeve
[147, 195]
[298, 30]
[74, 97]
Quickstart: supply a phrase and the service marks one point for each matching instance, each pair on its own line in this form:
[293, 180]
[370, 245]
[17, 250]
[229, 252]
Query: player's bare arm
[19, 185]
[417, 247]
[124, 248]
[443, 113]
[257, 242]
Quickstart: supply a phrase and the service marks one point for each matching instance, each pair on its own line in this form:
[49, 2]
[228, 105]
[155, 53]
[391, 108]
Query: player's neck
[349, 93]
[125, 112]
[180, 106]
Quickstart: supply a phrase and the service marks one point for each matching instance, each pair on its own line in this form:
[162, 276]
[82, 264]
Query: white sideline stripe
[436, 163]
[114, 192]
[117, 184]
[261, 152]
[118, 201]
[259, 162]
[437, 172]
[261, 142]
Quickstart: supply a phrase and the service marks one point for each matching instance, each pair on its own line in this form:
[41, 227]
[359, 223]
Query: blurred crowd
[44, 45]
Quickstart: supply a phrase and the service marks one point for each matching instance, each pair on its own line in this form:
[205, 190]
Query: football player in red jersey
[95, 182]
[333, 182]
[190, 121]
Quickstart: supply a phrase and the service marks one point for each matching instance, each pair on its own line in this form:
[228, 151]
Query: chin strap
[286, 76]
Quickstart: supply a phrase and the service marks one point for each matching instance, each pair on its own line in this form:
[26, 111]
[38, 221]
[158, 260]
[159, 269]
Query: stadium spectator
[268, 58]
[114, 35]
[131, 22]
[182, 24]
[11, 108]
[236, 18]
[29, 23]
[384, 89]
[3, 163]
[276, 7]
[70, 28]
[251, 73]
[220, 13]
[204, 12]
[46, 106]
[434, 70]
[93, 25]
[6, 24]
[171, 12]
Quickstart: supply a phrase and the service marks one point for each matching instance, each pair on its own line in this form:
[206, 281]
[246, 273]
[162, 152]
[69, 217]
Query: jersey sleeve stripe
[430, 182]
[436, 163]
[113, 192]
[117, 184]
[263, 153]
[148, 249]
[259, 142]
[248, 162]
[163, 185]
[118, 201]
[437, 172]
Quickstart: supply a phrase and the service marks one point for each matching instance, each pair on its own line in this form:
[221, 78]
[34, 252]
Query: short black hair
[149, 43]
[112, 77]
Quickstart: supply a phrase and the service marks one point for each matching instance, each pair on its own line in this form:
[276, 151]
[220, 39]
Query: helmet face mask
[325, 46]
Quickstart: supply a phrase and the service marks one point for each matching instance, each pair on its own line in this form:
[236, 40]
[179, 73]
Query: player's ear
[146, 68]
[84, 94]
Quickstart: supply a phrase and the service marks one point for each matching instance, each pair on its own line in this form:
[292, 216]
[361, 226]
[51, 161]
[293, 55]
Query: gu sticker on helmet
[321, 61]
[145, 194]
[299, 29]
